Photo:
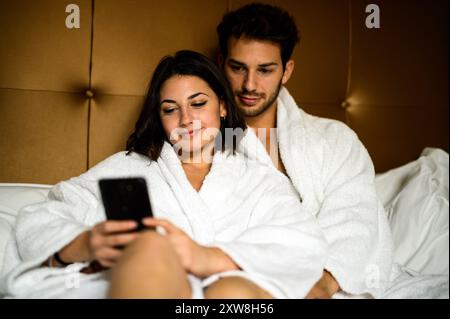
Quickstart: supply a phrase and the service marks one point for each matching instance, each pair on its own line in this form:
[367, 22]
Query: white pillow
[12, 198]
[416, 200]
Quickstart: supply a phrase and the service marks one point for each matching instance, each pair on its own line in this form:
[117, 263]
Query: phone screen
[126, 199]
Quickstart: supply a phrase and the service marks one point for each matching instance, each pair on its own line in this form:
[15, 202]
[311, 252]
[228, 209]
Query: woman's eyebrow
[167, 101]
[196, 94]
[189, 98]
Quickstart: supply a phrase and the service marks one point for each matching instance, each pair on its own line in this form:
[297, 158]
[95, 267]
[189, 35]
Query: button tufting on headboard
[89, 94]
[345, 104]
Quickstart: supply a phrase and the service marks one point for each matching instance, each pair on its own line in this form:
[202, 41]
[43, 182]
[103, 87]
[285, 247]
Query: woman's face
[190, 112]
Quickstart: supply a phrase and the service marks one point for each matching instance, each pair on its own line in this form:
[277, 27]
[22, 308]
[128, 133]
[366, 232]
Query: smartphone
[126, 199]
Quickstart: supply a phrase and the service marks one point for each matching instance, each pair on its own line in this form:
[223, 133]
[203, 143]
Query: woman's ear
[287, 71]
[222, 109]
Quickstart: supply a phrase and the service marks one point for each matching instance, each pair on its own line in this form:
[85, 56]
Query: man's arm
[353, 219]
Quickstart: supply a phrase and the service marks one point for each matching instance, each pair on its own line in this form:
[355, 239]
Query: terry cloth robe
[335, 179]
[247, 209]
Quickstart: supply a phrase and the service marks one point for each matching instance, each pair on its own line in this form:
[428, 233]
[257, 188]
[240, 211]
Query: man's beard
[252, 112]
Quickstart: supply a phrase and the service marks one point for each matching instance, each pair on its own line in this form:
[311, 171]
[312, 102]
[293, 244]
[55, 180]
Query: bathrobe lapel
[292, 144]
[192, 204]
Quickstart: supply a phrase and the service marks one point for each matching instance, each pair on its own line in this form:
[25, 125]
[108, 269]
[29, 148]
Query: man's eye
[265, 71]
[236, 68]
[198, 104]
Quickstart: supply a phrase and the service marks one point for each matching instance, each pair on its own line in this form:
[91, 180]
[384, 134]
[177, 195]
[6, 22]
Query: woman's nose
[186, 117]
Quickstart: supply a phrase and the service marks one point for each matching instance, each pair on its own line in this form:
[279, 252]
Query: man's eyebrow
[268, 64]
[189, 98]
[233, 61]
[263, 65]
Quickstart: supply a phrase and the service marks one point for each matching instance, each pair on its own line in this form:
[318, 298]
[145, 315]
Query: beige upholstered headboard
[69, 97]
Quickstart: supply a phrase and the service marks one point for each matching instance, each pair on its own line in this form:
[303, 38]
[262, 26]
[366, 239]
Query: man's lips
[248, 100]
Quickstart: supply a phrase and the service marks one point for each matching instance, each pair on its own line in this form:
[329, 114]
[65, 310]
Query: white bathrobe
[247, 209]
[334, 177]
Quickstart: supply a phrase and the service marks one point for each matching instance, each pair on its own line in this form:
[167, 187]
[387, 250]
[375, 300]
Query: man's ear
[288, 71]
[220, 60]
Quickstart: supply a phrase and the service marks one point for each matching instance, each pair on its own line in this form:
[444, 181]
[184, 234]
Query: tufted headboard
[69, 97]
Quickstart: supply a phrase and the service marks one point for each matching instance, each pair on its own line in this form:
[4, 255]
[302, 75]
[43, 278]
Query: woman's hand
[194, 257]
[107, 238]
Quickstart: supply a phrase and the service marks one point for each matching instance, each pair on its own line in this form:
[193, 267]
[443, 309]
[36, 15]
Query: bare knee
[235, 288]
[148, 243]
[150, 268]
[150, 250]
[140, 252]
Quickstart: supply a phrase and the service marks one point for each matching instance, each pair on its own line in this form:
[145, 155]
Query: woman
[227, 227]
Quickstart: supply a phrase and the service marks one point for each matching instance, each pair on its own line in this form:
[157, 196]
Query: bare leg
[235, 288]
[149, 268]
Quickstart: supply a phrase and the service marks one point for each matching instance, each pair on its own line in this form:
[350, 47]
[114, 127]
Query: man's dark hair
[260, 22]
[148, 137]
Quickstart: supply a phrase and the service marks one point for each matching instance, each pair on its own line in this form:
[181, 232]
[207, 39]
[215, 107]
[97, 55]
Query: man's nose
[250, 82]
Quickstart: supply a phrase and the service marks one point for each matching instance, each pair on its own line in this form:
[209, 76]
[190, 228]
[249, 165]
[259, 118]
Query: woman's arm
[76, 251]
[283, 246]
[218, 261]
[199, 260]
[67, 222]
[100, 243]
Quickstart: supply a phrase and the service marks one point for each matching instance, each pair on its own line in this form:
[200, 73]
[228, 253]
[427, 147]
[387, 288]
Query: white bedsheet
[415, 197]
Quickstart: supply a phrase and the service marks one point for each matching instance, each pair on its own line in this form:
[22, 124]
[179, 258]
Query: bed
[416, 200]
[69, 97]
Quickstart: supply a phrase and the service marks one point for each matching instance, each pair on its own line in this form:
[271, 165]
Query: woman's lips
[249, 101]
[190, 133]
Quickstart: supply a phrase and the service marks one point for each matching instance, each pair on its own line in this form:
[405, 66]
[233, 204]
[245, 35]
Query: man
[325, 161]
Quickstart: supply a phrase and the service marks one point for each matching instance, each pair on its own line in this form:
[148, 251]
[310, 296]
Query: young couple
[285, 213]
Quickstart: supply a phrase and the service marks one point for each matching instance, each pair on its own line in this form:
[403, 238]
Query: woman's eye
[168, 111]
[198, 104]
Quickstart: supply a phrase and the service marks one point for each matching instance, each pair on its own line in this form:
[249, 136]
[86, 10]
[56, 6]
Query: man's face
[255, 71]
